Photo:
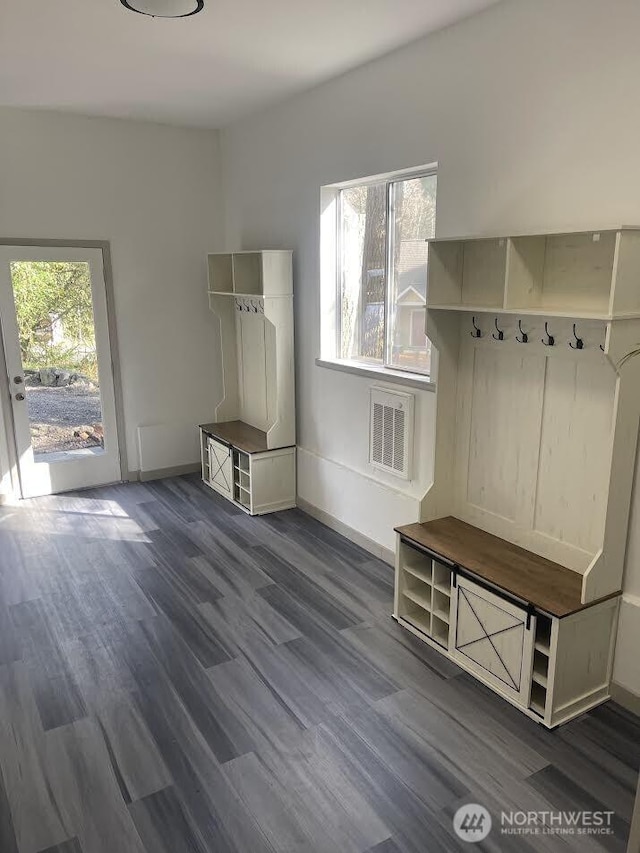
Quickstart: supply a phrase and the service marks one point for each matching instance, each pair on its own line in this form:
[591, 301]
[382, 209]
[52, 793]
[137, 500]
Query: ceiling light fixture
[164, 8]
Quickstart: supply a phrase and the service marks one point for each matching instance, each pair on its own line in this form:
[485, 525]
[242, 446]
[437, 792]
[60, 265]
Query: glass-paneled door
[55, 333]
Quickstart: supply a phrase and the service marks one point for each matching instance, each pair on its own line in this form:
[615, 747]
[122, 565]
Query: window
[383, 226]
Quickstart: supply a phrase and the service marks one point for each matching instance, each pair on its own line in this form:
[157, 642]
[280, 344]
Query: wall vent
[391, 431]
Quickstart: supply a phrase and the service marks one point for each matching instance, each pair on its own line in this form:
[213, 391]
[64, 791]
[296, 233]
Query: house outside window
[381, 249]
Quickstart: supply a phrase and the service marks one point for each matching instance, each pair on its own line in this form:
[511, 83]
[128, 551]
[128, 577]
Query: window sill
[384, 374]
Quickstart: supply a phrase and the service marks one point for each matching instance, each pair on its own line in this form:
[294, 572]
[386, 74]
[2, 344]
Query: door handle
[19, 397]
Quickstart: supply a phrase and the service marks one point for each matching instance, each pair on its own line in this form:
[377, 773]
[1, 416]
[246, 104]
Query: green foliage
[55, 315]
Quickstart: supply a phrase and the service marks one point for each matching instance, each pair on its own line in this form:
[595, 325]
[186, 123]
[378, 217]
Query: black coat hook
[476, 331]
[525, 337]
[500, 335]
[550, 339]
[579, 343]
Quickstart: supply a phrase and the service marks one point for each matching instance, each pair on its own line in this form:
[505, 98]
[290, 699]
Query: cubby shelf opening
[538, 700]
[247, 273]
[441, 605]
[420, 619]
[540, 668]
[561, 272]
[440, 630]
[543, 634]
[420, 572]
[422, 599]
[467, 272]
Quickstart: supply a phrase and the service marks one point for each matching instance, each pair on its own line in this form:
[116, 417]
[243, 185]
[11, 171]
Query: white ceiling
[95, 57]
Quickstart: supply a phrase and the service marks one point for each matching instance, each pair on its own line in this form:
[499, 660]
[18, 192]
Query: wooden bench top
[541, 582]
[240, 435]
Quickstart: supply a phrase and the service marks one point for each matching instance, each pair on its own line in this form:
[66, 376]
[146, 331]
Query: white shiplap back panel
[252, 367]
[575, 451]
[228, 407]
[510, 467]
[271, 375]
[499, 426]
[278, 313]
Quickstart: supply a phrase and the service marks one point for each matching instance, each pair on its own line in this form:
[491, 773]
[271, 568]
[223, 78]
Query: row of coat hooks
[249, 304]
[548, 340]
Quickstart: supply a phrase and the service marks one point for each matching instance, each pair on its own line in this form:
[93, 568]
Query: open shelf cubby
[543, 635]
[540, 668]
[467, 273]
[441, 605]
[421, 570]
[220, 273]
[419, 618]
[263, 273]
[425, 593]
[247, 273]
[441, 578]
[538, 701]
[562, 272]
[420, 595]
[238, 273]
[440, 630]
[241, 460]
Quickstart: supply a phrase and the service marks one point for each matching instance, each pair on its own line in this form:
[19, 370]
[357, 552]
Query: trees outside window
[383, 229]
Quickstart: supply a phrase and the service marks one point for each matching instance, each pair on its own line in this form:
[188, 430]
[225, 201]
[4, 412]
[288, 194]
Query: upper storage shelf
[467, 272]
[585, 274]
[264, 273]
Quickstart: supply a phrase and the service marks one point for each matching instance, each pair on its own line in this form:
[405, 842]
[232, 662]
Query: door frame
[5, 392]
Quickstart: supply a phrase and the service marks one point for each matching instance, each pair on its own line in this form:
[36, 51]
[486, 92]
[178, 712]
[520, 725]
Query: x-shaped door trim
[220, 469]
[516, 686]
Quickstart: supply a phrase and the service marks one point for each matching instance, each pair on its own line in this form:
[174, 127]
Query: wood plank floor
[176, 677]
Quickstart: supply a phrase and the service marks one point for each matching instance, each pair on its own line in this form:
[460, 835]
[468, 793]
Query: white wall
[154, 192]
[530, 111]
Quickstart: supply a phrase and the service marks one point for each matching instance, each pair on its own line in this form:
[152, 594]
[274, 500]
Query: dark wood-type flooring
[177, 677]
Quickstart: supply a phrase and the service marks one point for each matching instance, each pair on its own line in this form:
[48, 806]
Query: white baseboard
[369, 545]
[364, 503]
[624, 697]
[163, 473]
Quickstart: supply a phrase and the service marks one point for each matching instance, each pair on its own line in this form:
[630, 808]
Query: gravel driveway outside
[56, 413]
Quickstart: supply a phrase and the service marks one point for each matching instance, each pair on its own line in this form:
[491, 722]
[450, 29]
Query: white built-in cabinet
[552, 666]
[248, 450]
[538, 403]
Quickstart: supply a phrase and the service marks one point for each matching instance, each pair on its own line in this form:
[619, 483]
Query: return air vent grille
[391, 432]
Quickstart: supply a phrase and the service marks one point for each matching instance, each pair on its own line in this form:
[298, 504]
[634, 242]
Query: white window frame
[331, 283]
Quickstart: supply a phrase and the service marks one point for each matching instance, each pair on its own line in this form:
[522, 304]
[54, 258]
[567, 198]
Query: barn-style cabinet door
[494, 639]
[220, 468]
